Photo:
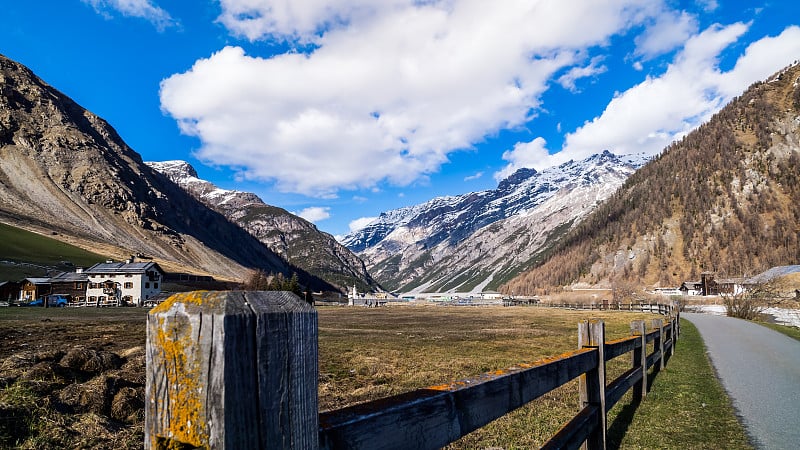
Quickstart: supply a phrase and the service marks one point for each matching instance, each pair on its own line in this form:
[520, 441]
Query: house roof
[122, 267]
[38, 280]
[69, 277]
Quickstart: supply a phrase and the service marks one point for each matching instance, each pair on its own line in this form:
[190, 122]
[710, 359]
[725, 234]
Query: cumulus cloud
[314, 214]
[649, 116]
[389, 89]
[360, 223]
[669, 30]
[473, 177]
[295, 20]
[143, 9]
[526, 154]
[593, 69]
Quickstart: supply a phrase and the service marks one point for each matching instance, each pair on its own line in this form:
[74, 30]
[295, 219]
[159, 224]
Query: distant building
[123, 283]
[708, 285]
[9, 291]
[691, 288]
[71, 284]
[33, 288]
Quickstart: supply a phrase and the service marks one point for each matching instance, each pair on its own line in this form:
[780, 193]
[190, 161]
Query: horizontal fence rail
[654, 308]
[206, 392]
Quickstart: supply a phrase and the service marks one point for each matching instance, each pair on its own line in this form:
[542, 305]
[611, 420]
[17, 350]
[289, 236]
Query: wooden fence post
[640, 359]
[658, 324]
[593, 383]
[673, 335]
[232, 370]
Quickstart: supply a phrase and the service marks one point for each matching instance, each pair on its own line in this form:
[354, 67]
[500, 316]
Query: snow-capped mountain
[292, 237]
[478, 240]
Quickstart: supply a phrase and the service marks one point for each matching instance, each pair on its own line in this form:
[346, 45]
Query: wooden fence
[239, 370]
[655, 308]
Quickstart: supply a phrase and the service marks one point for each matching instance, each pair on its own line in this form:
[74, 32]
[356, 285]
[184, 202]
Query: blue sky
[340, 109]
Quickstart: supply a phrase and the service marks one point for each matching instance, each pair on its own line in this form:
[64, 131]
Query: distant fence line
[240, 370]
[654, 308]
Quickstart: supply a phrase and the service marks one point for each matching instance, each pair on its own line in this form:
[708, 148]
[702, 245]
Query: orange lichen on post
[192, 298]
[182, 371]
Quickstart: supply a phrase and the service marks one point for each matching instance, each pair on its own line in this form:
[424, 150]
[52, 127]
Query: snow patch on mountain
[476, 237]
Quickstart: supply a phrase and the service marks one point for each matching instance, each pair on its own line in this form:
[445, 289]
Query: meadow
[74, 378]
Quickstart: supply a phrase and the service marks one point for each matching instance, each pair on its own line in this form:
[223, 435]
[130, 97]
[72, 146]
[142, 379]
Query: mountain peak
[174, 169]
[516, 178]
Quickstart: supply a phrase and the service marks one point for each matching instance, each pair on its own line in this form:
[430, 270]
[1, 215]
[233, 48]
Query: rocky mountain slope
[478, 240]
[64, 171]
[725, 199]
[294, 238]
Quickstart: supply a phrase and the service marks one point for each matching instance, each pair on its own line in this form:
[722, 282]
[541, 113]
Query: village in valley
[122, 283]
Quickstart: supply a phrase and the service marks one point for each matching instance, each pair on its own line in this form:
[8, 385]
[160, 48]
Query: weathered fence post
[673, 334]
[593, 383]
[232, 370]
[640, 359]
[658, 344]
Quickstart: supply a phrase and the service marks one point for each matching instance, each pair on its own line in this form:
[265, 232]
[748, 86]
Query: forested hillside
[724, 199]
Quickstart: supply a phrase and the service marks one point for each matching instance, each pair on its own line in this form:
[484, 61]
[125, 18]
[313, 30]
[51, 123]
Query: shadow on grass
[617, 429]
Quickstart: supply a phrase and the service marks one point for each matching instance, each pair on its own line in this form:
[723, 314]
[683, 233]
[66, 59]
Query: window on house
[128, 275]
[147, 285]
[92, 298]
[128, 285]
[155, 285]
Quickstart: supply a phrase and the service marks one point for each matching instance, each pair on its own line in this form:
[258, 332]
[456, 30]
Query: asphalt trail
[760, 369]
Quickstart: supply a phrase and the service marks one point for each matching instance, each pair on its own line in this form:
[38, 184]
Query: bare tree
[749, 303]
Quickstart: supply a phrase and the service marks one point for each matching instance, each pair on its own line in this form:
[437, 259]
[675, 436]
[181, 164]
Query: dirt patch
[72, 378]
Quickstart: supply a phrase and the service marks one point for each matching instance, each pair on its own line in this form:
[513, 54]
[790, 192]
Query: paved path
[760, 369]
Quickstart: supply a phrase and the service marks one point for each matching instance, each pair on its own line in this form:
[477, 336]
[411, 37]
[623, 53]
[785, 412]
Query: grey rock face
[294, 238]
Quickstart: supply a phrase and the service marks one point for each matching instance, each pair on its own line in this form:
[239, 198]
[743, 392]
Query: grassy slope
[686, 407]
[38, 253]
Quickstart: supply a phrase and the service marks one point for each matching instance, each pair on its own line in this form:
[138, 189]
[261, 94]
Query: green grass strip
[687, 407]
[792, 332]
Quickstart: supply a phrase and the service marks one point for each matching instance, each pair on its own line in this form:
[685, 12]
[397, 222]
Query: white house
[123, 283]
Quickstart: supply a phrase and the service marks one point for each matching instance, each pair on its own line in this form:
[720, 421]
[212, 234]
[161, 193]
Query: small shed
[33, 288]
[9, 290]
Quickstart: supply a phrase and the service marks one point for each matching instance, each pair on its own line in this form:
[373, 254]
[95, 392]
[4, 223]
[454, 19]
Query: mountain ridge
[407, 247]
[292, 237]
[723, 199]
[65, 171]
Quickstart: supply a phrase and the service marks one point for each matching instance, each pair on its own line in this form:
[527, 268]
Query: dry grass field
[366, 354]
[74, 378]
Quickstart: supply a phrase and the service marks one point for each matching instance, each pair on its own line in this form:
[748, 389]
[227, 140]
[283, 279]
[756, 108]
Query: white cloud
[390, 89]
[143, 9]
[649, 116]
[593, 69]
[669, 30]
[526, 154]
[473, 177]
[708, 5]
[314, 214]
[295, 20]
[359, 224]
